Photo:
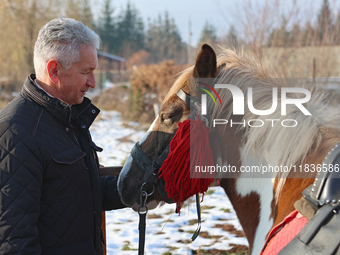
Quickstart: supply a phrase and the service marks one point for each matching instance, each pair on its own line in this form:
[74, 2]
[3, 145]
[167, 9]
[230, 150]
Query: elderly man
[51, 193]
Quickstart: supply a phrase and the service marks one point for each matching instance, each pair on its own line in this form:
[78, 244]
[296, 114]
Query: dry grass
[3, 104]
[5, 100]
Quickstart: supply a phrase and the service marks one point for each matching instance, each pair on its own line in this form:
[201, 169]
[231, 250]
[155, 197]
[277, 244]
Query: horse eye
[166, 118]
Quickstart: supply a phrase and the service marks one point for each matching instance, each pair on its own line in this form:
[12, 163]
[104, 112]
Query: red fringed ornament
[190, 143]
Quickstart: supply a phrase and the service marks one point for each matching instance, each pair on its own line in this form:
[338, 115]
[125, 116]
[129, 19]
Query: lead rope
[198, 207]
[142, 220]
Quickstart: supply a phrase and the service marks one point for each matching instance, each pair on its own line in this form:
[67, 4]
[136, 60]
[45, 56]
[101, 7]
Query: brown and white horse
[260, 203]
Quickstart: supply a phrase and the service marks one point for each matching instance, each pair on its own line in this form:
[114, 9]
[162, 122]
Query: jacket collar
[81, 115]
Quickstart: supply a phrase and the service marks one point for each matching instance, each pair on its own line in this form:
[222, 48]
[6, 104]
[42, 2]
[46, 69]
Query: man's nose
[91, 81]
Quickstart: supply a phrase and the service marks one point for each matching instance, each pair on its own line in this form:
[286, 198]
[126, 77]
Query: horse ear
[205, 66]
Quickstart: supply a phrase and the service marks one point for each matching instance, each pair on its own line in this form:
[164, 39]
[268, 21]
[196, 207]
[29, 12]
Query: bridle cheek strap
[190, 100]
[151, 168]
[195, 103]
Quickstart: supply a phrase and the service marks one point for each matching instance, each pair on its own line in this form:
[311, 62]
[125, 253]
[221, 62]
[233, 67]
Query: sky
[197, 11]
[216, 12]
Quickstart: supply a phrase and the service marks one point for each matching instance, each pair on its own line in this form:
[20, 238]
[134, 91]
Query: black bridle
[151, 169]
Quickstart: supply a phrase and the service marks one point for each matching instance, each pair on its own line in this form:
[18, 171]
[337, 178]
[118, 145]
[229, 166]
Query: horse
[260, 203]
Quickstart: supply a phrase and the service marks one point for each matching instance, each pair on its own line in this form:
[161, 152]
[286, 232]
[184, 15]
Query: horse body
[260, 203]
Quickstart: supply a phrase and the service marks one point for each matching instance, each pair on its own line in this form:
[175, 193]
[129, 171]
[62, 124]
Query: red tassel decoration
[191, 142]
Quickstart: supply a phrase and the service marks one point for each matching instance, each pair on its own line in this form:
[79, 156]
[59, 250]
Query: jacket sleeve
[21, 174]
[111, 197]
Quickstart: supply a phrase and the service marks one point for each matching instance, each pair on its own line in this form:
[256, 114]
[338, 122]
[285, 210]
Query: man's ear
[53, 70]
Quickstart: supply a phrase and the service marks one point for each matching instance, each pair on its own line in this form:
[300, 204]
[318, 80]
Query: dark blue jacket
[51, 194]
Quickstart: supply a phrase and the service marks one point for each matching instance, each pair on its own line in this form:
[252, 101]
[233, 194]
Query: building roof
[110, 56]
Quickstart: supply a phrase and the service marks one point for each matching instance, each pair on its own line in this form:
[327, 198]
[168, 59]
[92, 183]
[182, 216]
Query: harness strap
[150, 168]
[141, 228]
[142, 221]
[325, 188]
[193, 102]
[188, 99]
[140, 158]
[143, 161]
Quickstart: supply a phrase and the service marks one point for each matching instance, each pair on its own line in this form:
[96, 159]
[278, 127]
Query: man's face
[75, 82]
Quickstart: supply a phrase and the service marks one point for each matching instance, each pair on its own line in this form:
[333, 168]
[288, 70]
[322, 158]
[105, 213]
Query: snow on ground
[166, 231]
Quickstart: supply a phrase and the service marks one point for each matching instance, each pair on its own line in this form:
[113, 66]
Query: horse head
[154, 144]
[250, 141]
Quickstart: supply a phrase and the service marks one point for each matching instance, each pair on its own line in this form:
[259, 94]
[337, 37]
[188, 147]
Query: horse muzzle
[129, 184]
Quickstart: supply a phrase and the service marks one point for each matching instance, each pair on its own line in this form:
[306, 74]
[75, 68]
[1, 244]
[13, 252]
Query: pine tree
[86, 13]
[208, 35]
[106, 28]
[337, 29]
[279, 36]
[231, 36]
[130, 31]
[324, 22]
[163, 40]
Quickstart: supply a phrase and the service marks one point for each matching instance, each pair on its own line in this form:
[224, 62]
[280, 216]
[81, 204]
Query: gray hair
[61, 39]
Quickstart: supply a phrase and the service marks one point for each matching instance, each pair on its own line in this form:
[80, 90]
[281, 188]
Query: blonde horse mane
[242, 69]
[321, 128]
[184, 78]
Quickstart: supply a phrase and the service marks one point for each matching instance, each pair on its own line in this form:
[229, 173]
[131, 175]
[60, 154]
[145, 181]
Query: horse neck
[252, 198]
[297, 181]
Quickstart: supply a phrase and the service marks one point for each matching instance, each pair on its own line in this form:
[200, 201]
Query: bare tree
[21, 21]
[259, 22]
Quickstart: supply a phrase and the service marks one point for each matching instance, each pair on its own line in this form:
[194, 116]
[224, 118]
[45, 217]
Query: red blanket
[283, 233]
